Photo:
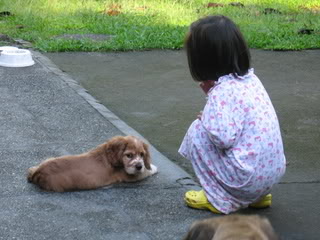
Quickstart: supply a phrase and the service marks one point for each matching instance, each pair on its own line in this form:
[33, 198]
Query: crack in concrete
[306, 182]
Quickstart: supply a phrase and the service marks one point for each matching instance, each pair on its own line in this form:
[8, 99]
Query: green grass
[161, 24]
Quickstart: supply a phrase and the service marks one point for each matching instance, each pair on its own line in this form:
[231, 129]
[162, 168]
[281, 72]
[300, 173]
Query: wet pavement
[45, 113]
[153, 92]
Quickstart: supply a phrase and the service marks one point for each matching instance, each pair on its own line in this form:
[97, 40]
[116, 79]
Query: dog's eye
[142, 154]
[129, 155]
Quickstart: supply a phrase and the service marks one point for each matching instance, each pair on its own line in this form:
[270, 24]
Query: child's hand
[207, 85]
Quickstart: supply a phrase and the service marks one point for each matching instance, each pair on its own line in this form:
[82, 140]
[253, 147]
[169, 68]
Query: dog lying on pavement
[232, 227]
[121, 159]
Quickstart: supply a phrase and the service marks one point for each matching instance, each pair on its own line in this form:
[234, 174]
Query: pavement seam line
[306, 182]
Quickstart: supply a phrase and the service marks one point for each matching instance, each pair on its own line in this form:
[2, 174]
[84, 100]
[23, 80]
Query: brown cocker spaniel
[121, 159]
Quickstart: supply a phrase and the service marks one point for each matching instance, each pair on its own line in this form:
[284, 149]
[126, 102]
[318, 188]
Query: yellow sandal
[263, 202]
[198, 200]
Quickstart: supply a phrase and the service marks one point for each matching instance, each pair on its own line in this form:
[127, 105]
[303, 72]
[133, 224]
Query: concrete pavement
[153, 92]
[44, 113]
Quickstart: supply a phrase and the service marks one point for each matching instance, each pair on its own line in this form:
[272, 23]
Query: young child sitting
[235, 145]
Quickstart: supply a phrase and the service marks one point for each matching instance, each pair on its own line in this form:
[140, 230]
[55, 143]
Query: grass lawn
[149, 24]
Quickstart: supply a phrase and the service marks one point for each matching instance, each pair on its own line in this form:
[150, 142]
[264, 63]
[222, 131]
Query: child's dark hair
[216, 47]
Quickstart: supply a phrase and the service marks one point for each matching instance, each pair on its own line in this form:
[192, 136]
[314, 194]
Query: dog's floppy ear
[114, 150]
[146, 157]
[200, 230]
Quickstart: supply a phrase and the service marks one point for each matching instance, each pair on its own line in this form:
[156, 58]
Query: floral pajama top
[236, 148]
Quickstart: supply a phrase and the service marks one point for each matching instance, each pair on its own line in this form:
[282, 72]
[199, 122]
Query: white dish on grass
[15, 57]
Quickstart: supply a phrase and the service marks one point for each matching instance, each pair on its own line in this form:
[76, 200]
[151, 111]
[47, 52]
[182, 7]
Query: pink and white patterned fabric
[236, 148]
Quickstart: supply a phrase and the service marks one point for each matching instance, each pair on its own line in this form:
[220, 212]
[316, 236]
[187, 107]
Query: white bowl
[15, 57]
[8, 48]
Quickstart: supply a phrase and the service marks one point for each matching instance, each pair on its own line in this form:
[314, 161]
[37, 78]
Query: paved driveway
[153, 92]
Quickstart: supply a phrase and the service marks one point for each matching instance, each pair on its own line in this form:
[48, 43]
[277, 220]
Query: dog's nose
[139, 166]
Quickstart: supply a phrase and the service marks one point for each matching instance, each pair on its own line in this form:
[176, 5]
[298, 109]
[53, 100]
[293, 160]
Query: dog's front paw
[154, 169]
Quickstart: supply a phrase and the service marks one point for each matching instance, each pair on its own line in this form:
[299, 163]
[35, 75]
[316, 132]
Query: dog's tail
[31, 174]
